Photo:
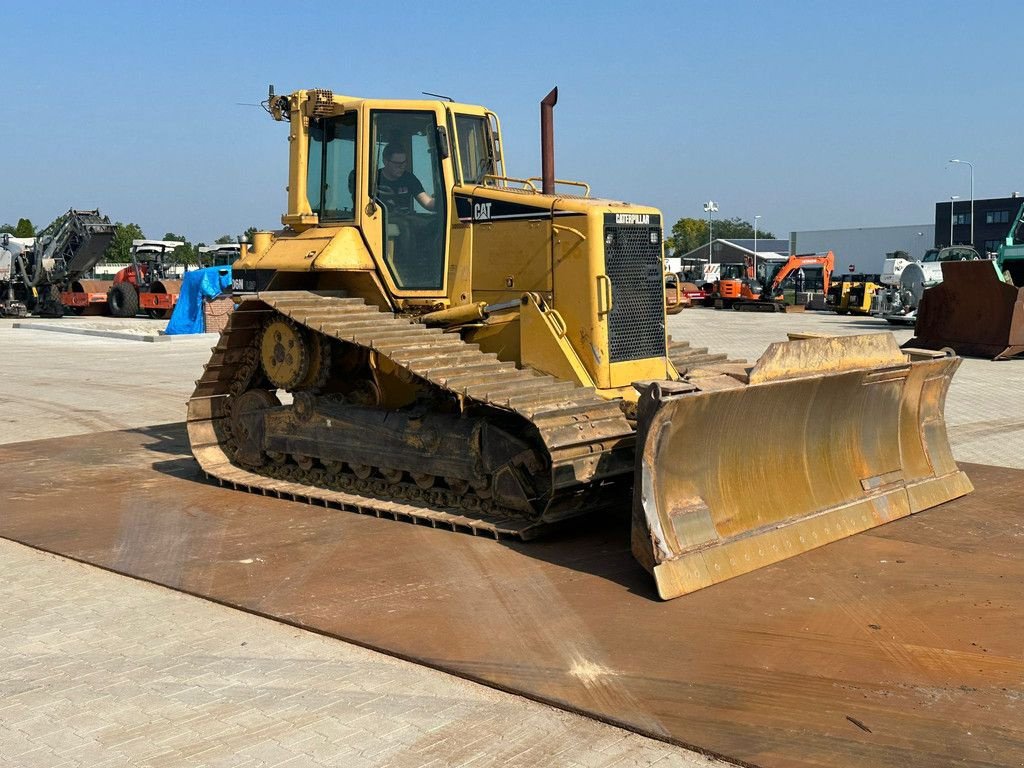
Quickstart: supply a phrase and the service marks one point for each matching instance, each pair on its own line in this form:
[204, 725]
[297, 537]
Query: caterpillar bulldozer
[432, 340]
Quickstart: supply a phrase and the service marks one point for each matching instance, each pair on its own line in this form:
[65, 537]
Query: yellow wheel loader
[429, 339]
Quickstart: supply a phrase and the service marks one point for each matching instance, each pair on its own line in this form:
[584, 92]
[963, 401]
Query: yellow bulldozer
[430, 339]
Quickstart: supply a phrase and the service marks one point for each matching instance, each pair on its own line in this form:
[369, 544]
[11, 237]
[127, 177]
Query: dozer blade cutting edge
[825, 438]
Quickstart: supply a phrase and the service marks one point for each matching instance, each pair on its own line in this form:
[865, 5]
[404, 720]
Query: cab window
[331, 171]
[475, 156]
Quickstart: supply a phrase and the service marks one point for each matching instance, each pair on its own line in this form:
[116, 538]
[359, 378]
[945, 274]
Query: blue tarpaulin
[197, 286]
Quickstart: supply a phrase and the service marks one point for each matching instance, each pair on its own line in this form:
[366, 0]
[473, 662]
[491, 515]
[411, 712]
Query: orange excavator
[746, 293]
[736, 282]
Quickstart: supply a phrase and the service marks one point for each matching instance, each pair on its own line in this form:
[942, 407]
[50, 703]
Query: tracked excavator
[442, 343]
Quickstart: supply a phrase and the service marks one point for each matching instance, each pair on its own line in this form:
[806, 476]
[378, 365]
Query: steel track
[588, 439]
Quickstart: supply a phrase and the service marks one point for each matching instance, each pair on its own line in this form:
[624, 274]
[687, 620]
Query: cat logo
[481, 212]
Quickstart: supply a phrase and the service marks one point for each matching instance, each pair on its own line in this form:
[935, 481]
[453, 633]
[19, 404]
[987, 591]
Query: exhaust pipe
[547, 142]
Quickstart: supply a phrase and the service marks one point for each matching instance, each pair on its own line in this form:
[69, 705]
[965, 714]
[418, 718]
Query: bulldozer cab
[388, 168]
[383, 170]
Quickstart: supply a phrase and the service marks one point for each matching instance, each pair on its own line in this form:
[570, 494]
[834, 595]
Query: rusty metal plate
[971, 311]
[899, 646]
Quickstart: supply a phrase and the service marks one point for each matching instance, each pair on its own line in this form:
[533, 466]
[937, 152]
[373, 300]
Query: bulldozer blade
[972, 311]
[829, 437]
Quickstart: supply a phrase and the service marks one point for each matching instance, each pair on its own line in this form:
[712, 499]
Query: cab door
[406, 221]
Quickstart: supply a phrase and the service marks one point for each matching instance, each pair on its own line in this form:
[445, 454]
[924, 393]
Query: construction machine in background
[838, 297]
[12, 292]
[219, 254]
[732, 283]
[853, 294]
[145, 284]
[34, 277]
[677, 298]
[906, 281]
[739, 290]
[490, 355]
[1010, 256]
[977, 308]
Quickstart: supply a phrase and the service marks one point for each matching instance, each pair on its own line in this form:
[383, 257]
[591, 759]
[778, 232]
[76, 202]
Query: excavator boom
[826, 261]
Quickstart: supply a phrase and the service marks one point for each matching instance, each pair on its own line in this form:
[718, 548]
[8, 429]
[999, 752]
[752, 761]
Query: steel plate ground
[900, 646]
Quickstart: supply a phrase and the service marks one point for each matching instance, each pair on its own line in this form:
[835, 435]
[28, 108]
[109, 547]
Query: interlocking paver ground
[276, 696]
[100, 670]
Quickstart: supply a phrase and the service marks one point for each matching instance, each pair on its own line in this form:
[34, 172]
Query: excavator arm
[826, 261]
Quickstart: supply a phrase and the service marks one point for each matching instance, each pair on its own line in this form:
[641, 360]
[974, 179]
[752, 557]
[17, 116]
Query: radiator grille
[636, 324]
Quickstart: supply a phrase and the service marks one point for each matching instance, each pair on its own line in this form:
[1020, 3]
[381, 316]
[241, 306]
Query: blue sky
[813, 115]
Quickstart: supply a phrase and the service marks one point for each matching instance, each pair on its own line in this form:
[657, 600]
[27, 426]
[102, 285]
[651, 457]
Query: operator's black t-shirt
[397, 194]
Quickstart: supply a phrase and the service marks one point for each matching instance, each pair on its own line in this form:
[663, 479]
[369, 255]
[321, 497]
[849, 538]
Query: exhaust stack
[547, 142]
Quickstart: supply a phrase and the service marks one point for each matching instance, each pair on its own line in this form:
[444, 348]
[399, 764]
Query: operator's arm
[426, 200]
[420, 194]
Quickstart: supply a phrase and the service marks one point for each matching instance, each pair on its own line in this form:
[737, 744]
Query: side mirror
[442, 141]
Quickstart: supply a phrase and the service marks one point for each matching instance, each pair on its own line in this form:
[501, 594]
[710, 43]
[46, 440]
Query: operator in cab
[397, 186]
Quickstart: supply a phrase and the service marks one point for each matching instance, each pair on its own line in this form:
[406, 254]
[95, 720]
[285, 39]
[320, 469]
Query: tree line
[688, 234]
[120, 249]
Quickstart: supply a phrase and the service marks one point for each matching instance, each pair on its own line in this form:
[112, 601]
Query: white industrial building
[863, 249]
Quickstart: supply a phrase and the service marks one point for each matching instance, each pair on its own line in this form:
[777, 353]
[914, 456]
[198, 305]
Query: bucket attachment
[821, 439]
[972, 311]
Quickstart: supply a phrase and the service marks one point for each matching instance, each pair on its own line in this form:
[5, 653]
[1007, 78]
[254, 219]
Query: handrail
[527, 183]
[568, 182]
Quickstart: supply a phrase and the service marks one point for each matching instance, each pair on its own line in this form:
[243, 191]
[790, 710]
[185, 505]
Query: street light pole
[711, 207]
[755, 246]
[967, 162]
[952, 198]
